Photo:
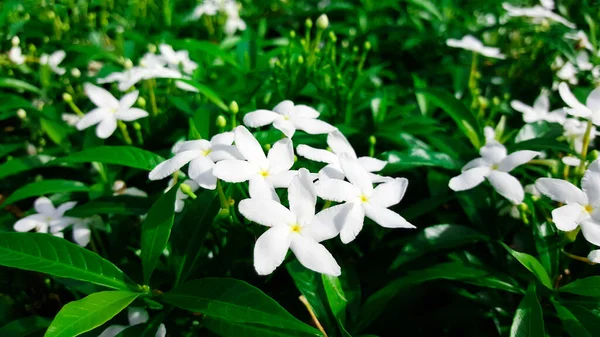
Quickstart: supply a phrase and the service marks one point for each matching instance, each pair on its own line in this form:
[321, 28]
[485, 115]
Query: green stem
[584, 148]
[124, 132]
[75, 108]
[150, 85]
[222, 197]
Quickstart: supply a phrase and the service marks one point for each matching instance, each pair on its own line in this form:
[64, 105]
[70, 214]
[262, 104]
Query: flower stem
[150, 85]
[222, 196]
[312, 315]
[75, 108]
[584, 148]
[124, 132]
[578, 258]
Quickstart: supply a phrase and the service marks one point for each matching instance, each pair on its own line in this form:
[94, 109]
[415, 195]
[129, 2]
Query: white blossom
[469, 42]
[537, 13]
[591, 109]
[15, 55]
[540, 111]
[54, 60]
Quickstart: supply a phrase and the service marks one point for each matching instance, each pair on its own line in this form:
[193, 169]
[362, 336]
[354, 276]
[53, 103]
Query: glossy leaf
[589, 319]
[337, 300]
[23, 164]
[233, 300]
[570, 322]
[401, 161]
[156, 230]
[589, 286]
[13, 83]
[529, 318]
[122, 204]
[8, 148]
[234, 329]
[25, 326]
[208, 93]
[88, 313]
[533, 265]
[117, 155]
[45, 253]
[45, 187]
[435, 238]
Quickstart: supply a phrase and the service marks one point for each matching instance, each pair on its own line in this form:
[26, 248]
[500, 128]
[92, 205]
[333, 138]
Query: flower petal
[201, 170]
[328, 223]
[235, 171]
[356, 174]
[332, 171]
[170, 166]
[131, 114]
[594, 256]
[259, 188]
[304, 111]
[91, 118]
[389, 193]
[43, 205]
[100, 96]
[81, 234]
[162, 331]
[507, 186]
[128, 100]
[593, 100]
[542, 102]
[223, 138]
[281, 156]
[590, 184]
[516, 159]
[570, 99]
[561, 191]
[354, 223]
[34, 221]
[371, 164]
[337, 190]
[107, 127]
[591, 231]
[260, 118]
[112, 331]
[385, 217]
[314, 256]
[312, 126]
[469, 179]
[302, 197]
[493, 153]
[314, 154]
[284, 108]
[249, 146]
[266, 212]
[137, 315]
[568, 217]
[339, 144]
[270, 249]
[224, 152]
[198, 145]
[477, 162]
[521, 107]
[285, 126]
[61, 209]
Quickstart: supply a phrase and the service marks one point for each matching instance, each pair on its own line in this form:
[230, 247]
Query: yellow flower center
[286, 117]
[364, 198]
[264, 173]
[206, 152]
[296, 228]
[589, 208]
[494, 167]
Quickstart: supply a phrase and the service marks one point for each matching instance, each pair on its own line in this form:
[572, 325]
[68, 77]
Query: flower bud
[137, 126]
[496, 100]
[221, 121]
[368, 46]
[118, 185]
[75, 73]
[293, 34]
[300, 59]
[332, 37]
[15, 41]
[308, 23]
[223, 213]
[372, 140]
[141, 101]
[67, 97]
[322, 22]
[233, 107]
[128, 64]
[152, 48]
[119, 30]
[21, 113]
[187, 190]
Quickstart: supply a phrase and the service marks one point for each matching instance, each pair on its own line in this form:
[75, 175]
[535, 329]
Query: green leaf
[25, 326]
[88, 313]
[9, 82]
[56, 132]
[589, 319]
[234, 329]
[589, 286]
[23, 164]
[464, 118]
[415, 157]
[122, 204]
[532, 264]
[48, 254]
[189, 234]
[117, 155]
[435, 238]
[458, 271]
[45, 187]
[529, 318]
[233, 300]
[156, 230]
[8, 148]
[570, 322]
[208, 92]
[337, 300]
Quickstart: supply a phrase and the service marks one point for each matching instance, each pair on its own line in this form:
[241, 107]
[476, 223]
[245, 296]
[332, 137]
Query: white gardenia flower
[581, 207]
[538, 13]
[339, 145]
[82, 232]
[48, 218]
[574, 132]
[591, 109]
[54, 60]
[177, 60]
[234, 21]
[469, 42]
[364, 199]
[581, 38]
[288, 118]
[150, 66]
[264, 173]
[109, 110]
[207, 7]
[15, 55]
[120, 188]
[201, 155]
[135, 316]
[296, 228]
[494, 166]
[540, 111]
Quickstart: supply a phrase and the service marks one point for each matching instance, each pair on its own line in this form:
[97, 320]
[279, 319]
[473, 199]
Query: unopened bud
[368, 46]
[483, 102]
[372, 140]
[137, 126]
[221, 121]
[75, 73]
[300, 59]
[322, 21]
[51, 15]
[152, 48]
[141, 101]
[187, 190]
[293, 34]
[267, 147]
[496, 100]
[332, 37]
[223, 213]
[233, 107]
[15, 41]
[308, 23]
[593, 155]
[21, 113]
[355, 49]
[67, 97]
[118, 185]
[128, 64]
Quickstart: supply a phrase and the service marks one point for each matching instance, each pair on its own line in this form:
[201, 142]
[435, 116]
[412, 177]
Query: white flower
[230, 8]
[177, 59]
[288, 118]
[583, 61]
[494, 166]
[296, 228]
[180, 196]
[120, 188]
[207, 7]
[135, 316]
[571, 161]
[581, 38]
[151, 66]
[201, 156]
[540, 111]
[54, 60]
[568, 72]
[594, 256]
[581, 207]
[70, 119]
[47, 218]
[574, 131]
[109, 110]
[364, 199]
[469, 42]
[339, 145]
[538, 13]
[15, 55]
[591, 109]
[264, 173]
[82, 233]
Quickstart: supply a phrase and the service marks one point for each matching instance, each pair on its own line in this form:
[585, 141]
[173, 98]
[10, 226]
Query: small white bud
[128, 64]
[75, 73]
[21, 113]
[322, 21]
[15, 41]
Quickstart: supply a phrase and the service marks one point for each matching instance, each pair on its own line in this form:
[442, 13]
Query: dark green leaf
[88, 313]
[570, 322]
[122, 204]
[436, 238]
[8, 148]
[208, 92]
[589, 319]
[25, 326]
[234, 329]
[23, 164]
[589, 286]
[533, 265]
[156, 230]
[8, 82]
[233, 300]
[45, 253]
[401, 161]
[529, 318]
[117, 155]
[335, 296]
[45, 187]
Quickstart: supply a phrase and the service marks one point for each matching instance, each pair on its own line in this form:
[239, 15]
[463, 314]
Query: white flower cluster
[237, 157]
[168, 64]
[231, 10]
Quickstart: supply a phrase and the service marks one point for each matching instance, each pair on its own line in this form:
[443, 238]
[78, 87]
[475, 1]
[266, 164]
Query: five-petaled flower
[109, 110]
[53, 60]
[48, 218]
[540, 111]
